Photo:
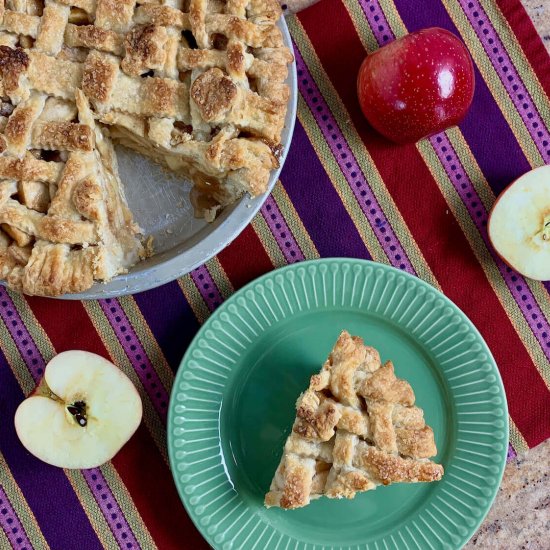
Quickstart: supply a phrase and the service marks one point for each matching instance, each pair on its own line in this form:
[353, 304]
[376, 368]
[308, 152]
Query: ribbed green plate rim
[232, 406]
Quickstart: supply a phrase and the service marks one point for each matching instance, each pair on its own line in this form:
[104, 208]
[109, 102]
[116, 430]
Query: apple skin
[417, 85]
[516, 217]
[50, 432]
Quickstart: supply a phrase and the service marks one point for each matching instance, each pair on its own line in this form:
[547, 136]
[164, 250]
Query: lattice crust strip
[197, 85]
[356, 428]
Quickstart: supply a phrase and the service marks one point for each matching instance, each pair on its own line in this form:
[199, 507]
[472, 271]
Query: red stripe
[529, 39]
[246, 258]
[139, 464]
[437, 233]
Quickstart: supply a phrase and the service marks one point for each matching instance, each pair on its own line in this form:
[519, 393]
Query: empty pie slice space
[356, 428]
[197, 86]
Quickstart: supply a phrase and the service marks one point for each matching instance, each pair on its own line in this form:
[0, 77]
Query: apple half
[81, 414]
[519, 224]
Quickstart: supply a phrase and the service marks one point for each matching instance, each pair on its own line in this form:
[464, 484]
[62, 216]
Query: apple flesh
[417, 85]
[519, 224]
[84, 410]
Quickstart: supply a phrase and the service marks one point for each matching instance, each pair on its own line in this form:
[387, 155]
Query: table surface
[520, 516]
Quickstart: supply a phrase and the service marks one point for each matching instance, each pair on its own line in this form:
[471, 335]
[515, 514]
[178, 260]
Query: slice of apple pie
[356, 428]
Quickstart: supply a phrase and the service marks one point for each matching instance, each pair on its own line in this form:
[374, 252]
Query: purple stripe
[278, 226]
[110, 509]
[11, 524]
[350, 167]
[508, 75]
[511, 453]
[166, 322]
[515, 283]
[134, 350]
[310, 190]
[46, 488]
[25, 344]
[377, 21]
[207, 287]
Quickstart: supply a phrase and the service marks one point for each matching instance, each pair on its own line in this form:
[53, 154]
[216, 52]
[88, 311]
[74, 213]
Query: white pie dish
[160, 203]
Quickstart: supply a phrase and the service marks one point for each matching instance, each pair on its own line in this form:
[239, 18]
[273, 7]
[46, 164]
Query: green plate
[232, 407]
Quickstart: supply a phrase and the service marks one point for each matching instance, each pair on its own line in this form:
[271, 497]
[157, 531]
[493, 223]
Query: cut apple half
[81, 414]
[519, 224]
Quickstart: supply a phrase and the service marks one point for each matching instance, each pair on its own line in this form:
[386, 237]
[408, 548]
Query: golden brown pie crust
[356, 428]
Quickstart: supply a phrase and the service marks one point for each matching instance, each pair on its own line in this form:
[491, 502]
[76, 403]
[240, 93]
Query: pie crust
[356, 428]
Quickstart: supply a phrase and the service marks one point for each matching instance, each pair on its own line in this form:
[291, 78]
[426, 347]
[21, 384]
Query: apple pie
[356, 428]
[196, 85]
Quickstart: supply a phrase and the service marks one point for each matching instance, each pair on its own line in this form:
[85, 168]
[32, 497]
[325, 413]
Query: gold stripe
[360, 152]
[362, 27]
[127, 505]
[91, 508]
[13, 357]
[294, 222]
[516, 439]
[268, 241]
[194, 298]
[497, 89]
[148, 341]
[113, 346]
[487, 197]
[220, 278]
[519, 59]
[21, 507]
[485, 259]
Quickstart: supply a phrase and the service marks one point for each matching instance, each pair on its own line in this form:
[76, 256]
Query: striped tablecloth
[344, 192]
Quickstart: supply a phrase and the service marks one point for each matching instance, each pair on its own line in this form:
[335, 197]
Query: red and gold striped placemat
[344, 192]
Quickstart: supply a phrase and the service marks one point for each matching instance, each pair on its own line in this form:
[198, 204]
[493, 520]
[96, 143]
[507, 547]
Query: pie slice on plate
[356, 428]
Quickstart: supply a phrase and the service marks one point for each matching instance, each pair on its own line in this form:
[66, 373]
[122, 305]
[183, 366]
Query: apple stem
[78, 410]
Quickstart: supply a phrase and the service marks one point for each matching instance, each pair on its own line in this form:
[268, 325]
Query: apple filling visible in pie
[356, 428]
[196, 85]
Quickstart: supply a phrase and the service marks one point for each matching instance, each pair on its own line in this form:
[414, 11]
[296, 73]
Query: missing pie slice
[356, 428]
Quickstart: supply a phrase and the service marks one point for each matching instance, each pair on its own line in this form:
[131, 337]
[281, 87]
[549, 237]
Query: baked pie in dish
[356, 428]
[196, 85]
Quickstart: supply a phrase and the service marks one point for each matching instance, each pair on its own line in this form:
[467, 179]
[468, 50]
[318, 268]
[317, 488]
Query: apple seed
[78, 410]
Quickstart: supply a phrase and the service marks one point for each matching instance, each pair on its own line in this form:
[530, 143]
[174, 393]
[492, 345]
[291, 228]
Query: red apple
[417, 85]
[519, 224]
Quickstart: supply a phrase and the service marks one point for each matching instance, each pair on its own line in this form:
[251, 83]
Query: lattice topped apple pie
[196, 85]
[356, 428]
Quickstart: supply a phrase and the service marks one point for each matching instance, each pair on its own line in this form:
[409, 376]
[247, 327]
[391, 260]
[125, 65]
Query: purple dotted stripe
[350, 168]
[377, 21]
[25, 344]
[135, 352]
[508, 75]
[110, 509]
[511, 453]
[278, 226]
[12, 525]
[207, 287]
[516, 283]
